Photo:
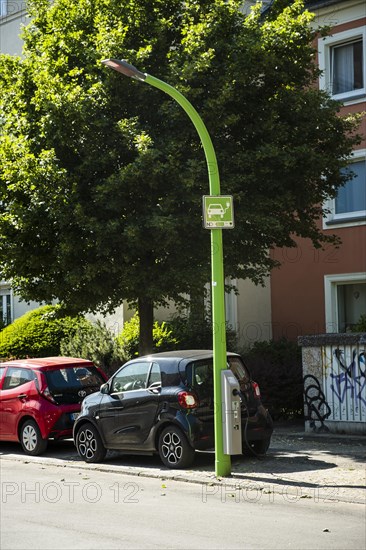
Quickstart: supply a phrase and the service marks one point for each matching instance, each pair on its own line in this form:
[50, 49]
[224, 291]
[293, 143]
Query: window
[73, 377]
[2, 370]
[346, 67]
[200, 377]
[345, 301]
[3, 6]
[5, 306]
[155, 376]
[351, 198]
[132, 377]
[17, 377]
[351, 302]
[342, 60]
[349, 206]
[8, 8]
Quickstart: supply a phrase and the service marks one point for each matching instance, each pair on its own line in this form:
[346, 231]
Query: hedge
[38, 333]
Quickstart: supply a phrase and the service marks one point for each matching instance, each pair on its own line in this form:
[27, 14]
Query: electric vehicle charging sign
[218, 212]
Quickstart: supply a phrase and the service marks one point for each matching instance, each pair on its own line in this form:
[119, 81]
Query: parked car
[40, 398]
[164, 403]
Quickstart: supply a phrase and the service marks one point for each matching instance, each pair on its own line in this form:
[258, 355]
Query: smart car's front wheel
[174, 449]
[31, 438]
[89, 444]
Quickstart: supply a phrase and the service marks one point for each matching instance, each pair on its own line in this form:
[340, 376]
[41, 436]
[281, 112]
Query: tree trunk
[197, 310]
[146, 315]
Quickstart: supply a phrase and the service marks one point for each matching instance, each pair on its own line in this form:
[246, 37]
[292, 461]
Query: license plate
[74, 416]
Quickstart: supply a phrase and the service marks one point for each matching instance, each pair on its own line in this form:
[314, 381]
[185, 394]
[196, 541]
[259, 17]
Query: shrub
[179, 332]
[37, 333]
[192, 333]
[276, 366]
[360, 326]
[128, 340]
[94, 341]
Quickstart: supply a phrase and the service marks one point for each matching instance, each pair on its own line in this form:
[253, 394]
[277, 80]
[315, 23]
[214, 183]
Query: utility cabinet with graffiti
[334, 371]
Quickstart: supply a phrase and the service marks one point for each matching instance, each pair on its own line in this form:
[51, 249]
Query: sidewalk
[322, 467]
[325, 467]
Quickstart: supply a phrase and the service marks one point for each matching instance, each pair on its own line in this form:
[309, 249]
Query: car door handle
[22, 396]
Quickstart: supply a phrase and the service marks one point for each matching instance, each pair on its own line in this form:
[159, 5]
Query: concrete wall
[334, 371]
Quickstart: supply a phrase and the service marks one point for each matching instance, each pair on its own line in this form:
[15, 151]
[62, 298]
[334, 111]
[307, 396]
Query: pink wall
[297, 288]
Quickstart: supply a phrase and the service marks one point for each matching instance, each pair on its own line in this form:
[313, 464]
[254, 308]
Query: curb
[325, 436]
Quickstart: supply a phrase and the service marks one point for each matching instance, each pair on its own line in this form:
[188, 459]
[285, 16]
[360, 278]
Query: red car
[40, 398]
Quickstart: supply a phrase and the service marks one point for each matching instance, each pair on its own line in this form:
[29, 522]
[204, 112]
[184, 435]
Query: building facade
[317, 291]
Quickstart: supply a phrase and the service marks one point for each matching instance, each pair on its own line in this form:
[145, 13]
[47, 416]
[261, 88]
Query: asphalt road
[49, 506]
[298, 466]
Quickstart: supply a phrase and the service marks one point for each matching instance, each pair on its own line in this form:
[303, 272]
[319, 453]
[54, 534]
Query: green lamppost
[222, 461]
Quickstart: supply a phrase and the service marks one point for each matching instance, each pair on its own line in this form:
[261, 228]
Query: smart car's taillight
[256, 389]
[187, 400]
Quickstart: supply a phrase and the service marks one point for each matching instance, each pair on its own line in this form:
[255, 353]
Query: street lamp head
[125, 68]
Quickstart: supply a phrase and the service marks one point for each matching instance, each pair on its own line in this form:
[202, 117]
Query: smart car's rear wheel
[259, 447]
[89, 444]
[174, 449]
[31, 438]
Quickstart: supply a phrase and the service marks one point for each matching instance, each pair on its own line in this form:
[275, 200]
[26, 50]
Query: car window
[239, 369]
[73, 377]
[16, 376]
[131, 377]
[200, 375]
[2, 370]
[154, 376]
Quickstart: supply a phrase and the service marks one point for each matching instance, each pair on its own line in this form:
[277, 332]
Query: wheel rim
[30, 438]
[87, 443]
[172, 448]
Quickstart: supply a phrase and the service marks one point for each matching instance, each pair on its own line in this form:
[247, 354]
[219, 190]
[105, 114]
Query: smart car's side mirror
[104, 388]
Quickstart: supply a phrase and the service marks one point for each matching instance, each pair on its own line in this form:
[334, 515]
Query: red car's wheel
[31, 438]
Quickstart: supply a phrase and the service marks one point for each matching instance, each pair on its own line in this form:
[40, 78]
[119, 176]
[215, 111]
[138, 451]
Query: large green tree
[101, 177]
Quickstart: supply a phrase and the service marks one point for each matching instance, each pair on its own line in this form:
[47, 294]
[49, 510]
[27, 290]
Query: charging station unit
[231, 413]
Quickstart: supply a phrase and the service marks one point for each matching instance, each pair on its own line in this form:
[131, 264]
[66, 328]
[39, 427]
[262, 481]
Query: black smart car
[163, 403]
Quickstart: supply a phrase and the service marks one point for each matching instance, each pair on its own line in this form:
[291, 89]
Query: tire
[31, 439]
[259, 447]
[89, 444]
[174, 449]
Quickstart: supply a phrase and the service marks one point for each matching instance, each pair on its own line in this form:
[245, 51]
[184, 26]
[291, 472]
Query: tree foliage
[163, 337]
[94, 341]
[101, 177]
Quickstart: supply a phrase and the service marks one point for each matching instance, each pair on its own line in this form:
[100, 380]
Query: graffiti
[351, 382]
[352, 369]
[317, 408]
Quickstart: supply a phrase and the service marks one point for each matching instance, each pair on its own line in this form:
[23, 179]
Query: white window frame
[347, 219]
[5, 290]
[331, 282]
[325, 46]
[3, 8]
[231, 305]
